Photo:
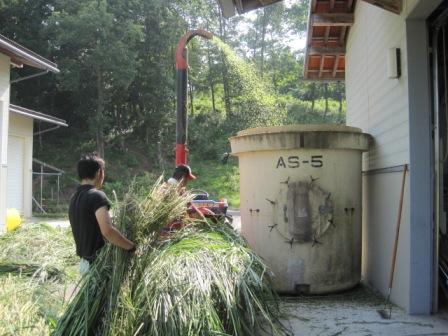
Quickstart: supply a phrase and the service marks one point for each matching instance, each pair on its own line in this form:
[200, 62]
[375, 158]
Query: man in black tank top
[89, 213]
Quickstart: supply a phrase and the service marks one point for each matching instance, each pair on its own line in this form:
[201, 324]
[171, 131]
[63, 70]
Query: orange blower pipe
[182, 76]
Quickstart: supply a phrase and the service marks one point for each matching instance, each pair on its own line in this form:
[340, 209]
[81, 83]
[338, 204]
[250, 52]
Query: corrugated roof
[37, 115]
[20, 55]
[328, 26]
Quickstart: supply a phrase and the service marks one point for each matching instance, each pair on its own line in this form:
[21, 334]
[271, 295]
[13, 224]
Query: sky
[294, 41]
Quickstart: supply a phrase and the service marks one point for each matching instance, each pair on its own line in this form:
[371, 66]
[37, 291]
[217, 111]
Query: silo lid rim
[299, 129]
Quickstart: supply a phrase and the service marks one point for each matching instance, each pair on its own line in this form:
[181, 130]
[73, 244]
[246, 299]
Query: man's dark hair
[180, 172]
[183, 171]
[88, 165]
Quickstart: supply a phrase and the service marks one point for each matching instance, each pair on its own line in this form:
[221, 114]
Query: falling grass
[259, 103]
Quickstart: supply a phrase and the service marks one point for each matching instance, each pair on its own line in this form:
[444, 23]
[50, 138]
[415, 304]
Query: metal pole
[41, 184]
[58, 192]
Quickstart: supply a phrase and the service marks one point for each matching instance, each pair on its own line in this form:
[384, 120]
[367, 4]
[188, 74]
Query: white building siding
[16, 171]
[380, 215]
[20, 125]
[375, 103]
[4, 119]
[21, 132]
[379, 106]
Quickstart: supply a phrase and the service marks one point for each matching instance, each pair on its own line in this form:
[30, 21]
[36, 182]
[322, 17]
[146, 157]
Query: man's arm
[109, 231]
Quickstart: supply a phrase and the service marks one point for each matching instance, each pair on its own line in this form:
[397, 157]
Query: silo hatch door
[310, 211]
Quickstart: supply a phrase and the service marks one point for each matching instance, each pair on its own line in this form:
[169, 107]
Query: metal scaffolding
[41, 174]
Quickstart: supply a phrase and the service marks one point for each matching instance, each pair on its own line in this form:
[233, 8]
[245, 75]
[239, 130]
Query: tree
[117, 88]
[97, 56]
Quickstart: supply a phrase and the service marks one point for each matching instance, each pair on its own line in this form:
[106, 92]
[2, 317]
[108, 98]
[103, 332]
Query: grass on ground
[30, 300]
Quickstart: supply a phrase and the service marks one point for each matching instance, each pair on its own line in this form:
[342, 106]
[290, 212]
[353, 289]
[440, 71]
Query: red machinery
[182, 76]
[201, 202]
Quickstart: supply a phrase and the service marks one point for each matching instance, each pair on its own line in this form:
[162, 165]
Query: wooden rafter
[332, 19]
[336, 64]
[339, 77]
[321, 68]
[394, 6]
[329, 23]
[320, 39]
[330, 71]
[349, 5]
[327, 34]
[342, 36]
[326, 51]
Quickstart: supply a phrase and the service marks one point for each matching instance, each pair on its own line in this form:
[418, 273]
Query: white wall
[4, 117]
[375, 103]
[381, 194]
[22, 127]
[379, 106]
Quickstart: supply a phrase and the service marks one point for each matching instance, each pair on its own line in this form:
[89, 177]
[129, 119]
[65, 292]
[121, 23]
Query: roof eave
[230, 7]
[325, 51]
[37, 115]
[227, 8]
[21, 55]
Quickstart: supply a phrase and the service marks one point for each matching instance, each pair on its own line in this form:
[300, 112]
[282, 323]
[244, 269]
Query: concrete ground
[54, 222]
[355, 313]
[236, 219]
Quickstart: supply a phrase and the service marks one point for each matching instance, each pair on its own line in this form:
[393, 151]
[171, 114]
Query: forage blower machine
[201, 202]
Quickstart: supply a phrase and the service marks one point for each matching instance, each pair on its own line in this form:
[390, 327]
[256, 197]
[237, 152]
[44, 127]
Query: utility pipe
[182, 76]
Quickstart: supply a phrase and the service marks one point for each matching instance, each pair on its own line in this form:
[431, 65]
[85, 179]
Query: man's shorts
[84, 266]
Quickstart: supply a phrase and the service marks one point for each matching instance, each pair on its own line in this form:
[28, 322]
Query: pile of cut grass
[20, 309]
[140, 216]
[38, 250]
[201, 280]
[30, 270]
[37, 266]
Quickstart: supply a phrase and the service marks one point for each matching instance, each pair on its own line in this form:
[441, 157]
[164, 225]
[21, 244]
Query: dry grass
[37, 264]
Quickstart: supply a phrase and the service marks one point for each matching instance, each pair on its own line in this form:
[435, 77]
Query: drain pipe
[182, 76]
